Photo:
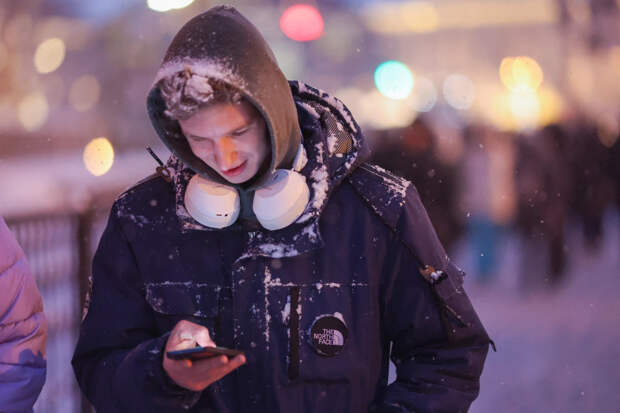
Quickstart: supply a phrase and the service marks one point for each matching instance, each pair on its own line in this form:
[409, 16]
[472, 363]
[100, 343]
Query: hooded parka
[317, 307]
[23, 329]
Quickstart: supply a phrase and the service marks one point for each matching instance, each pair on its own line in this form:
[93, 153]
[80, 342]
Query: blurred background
[504, 113]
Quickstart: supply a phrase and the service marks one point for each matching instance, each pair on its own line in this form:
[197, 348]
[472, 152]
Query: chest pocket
[331, 329]
[175, 301]
[326, 326]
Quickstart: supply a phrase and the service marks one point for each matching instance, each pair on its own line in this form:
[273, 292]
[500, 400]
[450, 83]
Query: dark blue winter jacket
[318, 307]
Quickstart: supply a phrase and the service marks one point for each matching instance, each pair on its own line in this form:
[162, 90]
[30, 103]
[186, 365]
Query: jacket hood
[222, 44]
[334, 146]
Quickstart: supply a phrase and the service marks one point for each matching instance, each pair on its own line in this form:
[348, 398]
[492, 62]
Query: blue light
[394, 80]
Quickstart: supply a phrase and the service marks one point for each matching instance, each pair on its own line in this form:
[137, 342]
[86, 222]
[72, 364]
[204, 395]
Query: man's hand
[199, 374]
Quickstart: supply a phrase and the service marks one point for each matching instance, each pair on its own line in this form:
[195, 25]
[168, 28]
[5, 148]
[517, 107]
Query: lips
[235, 171]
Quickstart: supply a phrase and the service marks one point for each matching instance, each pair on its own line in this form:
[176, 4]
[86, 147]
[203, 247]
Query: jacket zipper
[293, 367]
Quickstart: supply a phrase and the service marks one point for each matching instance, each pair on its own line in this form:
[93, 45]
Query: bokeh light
[459, 91]
[608, 129]
[49, 55]
[424, 95]
[32, 111]
[551, 106]
[76, 33]
[98, 156]
[402, 17]
[394, 80]
[84, 93]
[167, 5]
[520, 74]
[419, 16]
[525, 108]
[381, 112]
[302, 23]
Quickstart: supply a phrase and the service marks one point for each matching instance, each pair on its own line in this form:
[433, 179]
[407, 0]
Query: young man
[272, 237]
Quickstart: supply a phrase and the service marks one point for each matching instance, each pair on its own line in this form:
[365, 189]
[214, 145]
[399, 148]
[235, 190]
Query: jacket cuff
[160, 379]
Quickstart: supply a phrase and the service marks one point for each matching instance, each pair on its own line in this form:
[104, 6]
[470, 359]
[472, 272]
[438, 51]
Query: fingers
[236, 362]
[219, 366]
[233, 364]
[186, 334]
[202, 338]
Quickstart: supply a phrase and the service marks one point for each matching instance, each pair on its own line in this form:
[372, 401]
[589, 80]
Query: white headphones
[277, 204]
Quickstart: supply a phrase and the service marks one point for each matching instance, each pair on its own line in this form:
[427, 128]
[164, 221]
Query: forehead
[220, 118]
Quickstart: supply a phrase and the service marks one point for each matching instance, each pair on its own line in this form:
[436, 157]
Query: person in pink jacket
[23, 329]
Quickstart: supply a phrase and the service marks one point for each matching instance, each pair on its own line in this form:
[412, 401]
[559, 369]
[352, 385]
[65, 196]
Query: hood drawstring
[161, 170]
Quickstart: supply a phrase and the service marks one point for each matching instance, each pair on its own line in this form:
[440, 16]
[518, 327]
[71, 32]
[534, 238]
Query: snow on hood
[222, 44]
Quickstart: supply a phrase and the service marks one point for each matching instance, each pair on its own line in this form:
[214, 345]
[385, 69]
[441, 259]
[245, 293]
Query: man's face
[229, 137]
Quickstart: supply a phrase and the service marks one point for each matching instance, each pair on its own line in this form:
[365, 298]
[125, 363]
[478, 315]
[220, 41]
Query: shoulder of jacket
[383, 191]
[397, 202]
[142, 187]
[145, 198]
[11, 252]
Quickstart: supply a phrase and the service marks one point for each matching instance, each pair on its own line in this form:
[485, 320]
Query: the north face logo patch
[328, 335]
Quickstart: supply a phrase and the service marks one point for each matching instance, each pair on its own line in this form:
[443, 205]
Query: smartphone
[198, 353]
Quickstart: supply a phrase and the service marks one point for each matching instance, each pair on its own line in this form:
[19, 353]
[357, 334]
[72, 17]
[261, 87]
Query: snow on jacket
[355, 257]
[23, 329]
[314, 306]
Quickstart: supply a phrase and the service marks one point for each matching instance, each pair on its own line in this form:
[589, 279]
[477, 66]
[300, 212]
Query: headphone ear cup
[281, 200]
[211, 204]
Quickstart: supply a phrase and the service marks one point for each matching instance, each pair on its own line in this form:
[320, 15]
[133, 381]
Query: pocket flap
[183, 298]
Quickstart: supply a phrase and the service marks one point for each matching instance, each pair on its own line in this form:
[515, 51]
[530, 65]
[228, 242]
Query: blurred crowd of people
[535, 185]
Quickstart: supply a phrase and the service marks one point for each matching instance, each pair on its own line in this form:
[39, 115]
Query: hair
[185, 93]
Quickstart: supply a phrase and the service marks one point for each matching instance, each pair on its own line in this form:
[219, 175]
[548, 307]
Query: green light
[394, 79]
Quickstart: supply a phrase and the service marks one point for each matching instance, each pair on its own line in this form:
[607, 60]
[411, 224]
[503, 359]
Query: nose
[226, 152]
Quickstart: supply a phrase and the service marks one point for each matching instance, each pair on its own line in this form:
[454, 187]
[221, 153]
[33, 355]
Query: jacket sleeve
[438, 343]
[23, 329]
[118, 358]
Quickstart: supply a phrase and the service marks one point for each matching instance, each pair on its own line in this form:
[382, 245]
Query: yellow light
[551, 106]
[49, 55]
[98, 156]
[32, 111]
[381, 112]
[520, 74]
[84, 93]
[405, 17]
[419, 17]
[402, 18]
[525, 108]
[167, 5]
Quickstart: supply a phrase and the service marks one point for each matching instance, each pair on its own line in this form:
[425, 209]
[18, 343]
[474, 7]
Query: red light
[302, 23]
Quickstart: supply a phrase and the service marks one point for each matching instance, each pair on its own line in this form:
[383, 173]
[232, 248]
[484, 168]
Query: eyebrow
[246, 125]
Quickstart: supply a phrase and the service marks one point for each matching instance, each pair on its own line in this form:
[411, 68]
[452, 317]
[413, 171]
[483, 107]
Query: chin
[238, 179]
